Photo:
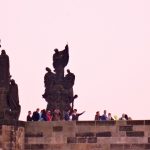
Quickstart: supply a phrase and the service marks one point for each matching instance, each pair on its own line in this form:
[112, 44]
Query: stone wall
[71, 135]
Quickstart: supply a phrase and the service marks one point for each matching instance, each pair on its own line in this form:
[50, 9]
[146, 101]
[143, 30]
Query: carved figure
[49, 81]
[4, 69]
[59, 89]
[61, 58]
[69, 79]
[13, 98]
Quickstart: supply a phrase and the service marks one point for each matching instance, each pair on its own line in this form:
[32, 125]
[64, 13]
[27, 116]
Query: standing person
[36, 115]
[109, 117]
[75, 115]
[49, 116]
[97, 116]
[56, 115]
[29, 118]
[104, 116]
[67, 115]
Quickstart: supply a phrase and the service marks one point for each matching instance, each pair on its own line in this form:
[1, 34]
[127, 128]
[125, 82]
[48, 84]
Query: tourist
[109, 117]
[44, 115]
[67, 115]
[97, 116]
[36, 115]
[49, 116]
[56, 115]
[29, 118]
[75, 115]
[104, 116]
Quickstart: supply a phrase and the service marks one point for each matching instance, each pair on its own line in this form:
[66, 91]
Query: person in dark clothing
[36, 115]
[29, 118]
[75, 115]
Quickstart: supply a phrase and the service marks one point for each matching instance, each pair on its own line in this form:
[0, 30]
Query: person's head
[29, 112]
[97, 113]
[105, 112]
[37, 109]
[109, 114]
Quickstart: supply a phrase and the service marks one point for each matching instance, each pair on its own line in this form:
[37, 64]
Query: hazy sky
[109, 45]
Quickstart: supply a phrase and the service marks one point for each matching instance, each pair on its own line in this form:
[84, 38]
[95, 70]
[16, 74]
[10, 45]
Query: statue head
[12, 81]
[56, 50]
[48, 69]
[68, 71]
[3, 52]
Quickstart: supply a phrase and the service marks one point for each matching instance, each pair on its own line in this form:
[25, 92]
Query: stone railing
[80, 135]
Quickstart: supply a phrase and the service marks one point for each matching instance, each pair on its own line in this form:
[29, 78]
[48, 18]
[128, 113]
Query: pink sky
[109, 45]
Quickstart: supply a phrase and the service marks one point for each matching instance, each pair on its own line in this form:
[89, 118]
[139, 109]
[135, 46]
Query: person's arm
[81, 113]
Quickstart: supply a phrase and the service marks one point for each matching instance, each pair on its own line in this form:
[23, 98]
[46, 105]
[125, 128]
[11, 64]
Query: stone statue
[49, 81]
[9, 99]
[4, 69]
[69, 79]
[59, 88]
[61, 58]
[13, 99]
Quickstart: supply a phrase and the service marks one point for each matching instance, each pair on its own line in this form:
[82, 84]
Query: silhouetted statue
[61, 58]
[49, 81]
[13, 99]
[4, 69]
[69, 79]
[59, 89]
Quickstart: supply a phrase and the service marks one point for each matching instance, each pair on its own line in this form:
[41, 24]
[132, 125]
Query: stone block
[71, 140]
[103, 134]
[135, 122]
[134, 146]
[85, 123]
[125, 128]
[147, 146]
[57, 129]
[105, 123]
[92, 140]
[116, 146]
[81, 140]
[135, 134]
[40, 134]
[85, 134]
[147, 122]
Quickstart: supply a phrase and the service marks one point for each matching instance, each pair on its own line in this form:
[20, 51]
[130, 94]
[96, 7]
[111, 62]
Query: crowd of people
[104, 117]
[46, 115]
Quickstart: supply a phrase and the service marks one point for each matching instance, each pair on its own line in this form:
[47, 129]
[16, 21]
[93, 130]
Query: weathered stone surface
[71, 140]
[103, 134]
[40, 134]
[85, 123]
[105, 123]
[125, 128]
[135, 134]
[85, 134]
[92, 140]
[135, 122]
[116, 147]
[57, 128]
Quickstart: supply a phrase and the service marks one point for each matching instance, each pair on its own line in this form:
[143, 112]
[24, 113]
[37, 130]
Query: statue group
[9, 99]
[59, 87]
